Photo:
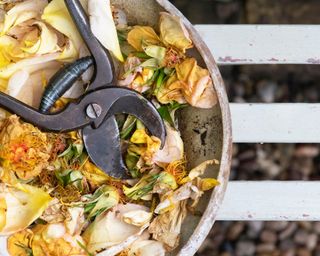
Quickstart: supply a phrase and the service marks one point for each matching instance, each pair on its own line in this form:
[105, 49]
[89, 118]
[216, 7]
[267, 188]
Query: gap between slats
[271, 201]
[262, 44]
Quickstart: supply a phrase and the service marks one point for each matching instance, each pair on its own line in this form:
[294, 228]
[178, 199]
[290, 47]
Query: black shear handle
[104, 69]
[58, 122]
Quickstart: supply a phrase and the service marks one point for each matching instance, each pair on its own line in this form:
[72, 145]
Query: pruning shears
[94, 112]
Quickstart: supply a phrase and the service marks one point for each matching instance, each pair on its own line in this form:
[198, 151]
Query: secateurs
[94, 112]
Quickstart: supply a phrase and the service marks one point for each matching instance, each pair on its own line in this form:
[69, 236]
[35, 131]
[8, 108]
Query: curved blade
[103, 147]
[136, 105]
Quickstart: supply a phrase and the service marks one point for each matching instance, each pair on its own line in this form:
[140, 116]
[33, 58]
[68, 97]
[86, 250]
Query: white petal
[16, 82]
[103, 27]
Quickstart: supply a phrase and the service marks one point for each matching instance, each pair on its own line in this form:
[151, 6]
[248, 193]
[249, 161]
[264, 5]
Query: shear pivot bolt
[93, 110]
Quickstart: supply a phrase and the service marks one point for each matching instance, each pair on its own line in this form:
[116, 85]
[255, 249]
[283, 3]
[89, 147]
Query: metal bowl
[206, 133]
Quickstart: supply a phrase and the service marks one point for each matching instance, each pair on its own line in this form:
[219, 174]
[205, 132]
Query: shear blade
[103, 147]
[134, 104]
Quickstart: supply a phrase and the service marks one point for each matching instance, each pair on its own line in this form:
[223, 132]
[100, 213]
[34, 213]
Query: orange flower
[25, 150]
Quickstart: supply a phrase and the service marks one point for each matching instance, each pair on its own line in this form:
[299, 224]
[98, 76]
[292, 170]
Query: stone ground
[265, 83]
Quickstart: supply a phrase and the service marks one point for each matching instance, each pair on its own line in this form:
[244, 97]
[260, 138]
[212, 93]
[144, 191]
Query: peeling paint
[273, 59]
[313, 61]
[232, 60]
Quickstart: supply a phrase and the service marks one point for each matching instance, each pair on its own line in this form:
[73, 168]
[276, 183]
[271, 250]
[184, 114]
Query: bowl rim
[209, 216]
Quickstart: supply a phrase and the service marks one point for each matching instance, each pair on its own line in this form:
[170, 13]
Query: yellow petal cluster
[146, 145]
[173, 32]
[57, 15]
[140, 36]
[191, 83]
[20, 206]
[25, 150]
[21, 12]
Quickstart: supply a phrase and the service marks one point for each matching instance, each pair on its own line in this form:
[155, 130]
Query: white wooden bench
[269, 123]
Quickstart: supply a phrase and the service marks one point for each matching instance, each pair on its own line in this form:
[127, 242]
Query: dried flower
[24, 149]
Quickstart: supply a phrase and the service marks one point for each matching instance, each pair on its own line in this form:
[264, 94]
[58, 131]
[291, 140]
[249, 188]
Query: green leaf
[128, 127]
[165, 114]
[160, 81]
[142, 188]
[83, 247]
[70, 177]
[122, 36]
[73, 153]
[150, 63]
[68, 152]
[141, 55]
[156, 52]
[140, 125]
[27, 250]
[167, 111]
[131, 162]
[103, 199]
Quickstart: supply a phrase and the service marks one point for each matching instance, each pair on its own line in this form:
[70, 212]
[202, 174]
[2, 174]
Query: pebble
[268, 236]
[247, 155]
[305, 225]
[316, 227]
[303, 252]
[301, 237]
[276, 225]
[286, 245]
[217, 240]
[235, 231]
[266, 90]
[226, 254]
[290, 252]
[307, 151]
[265, 248]
[288, 231]
[254, 229]
[245, 248]
[312, 241]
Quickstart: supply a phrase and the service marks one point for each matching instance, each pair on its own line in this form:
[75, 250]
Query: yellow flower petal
[142, 35]
[173, 149]
[57, 15]
[94, 175]
[29, 64]
[3, 210]
[103, 27]
[22, 12]
[53, 239]
[150, 147]
[23, 206]
[171, 91]
[199, 170]
[4, 60]
[196, 84]
[47, 43]
[139, 137]
[9, 50]
[106, 231]
[19, 242]
[208, 183]
[173, 32]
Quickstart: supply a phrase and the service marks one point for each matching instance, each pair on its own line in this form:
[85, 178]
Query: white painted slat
[275, 123]
[271, 200]
[263, 44]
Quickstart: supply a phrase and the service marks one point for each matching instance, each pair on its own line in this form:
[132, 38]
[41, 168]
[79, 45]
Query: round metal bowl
[206, 133]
